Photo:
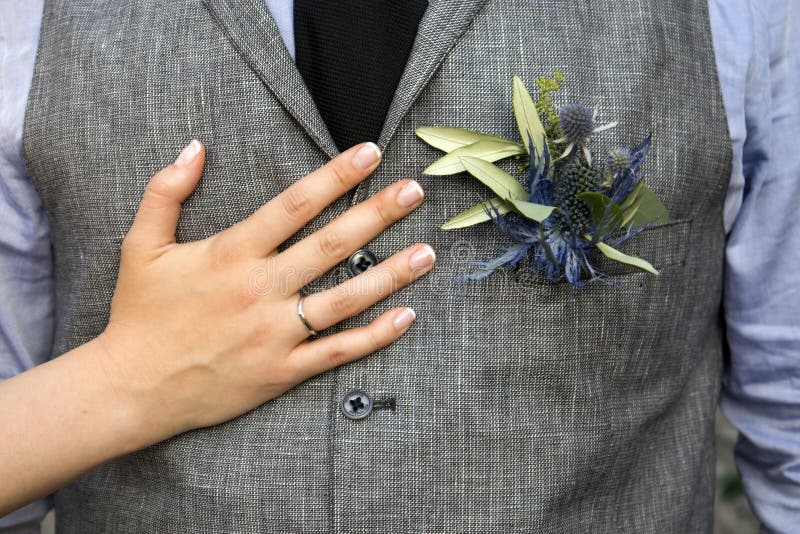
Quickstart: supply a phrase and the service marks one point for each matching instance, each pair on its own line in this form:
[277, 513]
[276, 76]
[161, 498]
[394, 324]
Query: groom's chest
[115, 98]
[136, 80]
[519, 402]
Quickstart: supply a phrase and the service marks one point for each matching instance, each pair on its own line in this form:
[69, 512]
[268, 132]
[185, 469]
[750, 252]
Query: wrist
[133, 418]
[84, 420]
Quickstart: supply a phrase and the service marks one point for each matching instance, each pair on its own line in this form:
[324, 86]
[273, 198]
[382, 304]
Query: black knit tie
[351, 55]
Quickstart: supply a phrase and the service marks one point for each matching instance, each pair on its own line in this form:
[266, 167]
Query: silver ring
[302, 316]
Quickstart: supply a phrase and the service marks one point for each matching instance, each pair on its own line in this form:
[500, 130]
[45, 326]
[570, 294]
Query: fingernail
[422, 258]
[187, 155]
[367, 155]
[410, 194]
[404, 318]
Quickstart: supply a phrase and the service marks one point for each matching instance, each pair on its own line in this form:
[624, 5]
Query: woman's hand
[201, 332]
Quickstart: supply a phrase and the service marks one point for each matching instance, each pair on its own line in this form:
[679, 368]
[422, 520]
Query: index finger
[281, 217]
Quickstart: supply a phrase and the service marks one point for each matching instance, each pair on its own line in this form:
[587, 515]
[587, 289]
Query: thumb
[155, 222]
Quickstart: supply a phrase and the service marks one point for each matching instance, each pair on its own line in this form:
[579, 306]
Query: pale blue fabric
[26, 272]
[283, 13]
[760, 78]
[757, 45]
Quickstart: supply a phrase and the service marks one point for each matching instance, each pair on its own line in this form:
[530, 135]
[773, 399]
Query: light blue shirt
[756, 44]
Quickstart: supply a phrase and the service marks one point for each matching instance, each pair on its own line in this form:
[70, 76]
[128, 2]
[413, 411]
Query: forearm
[59, 420]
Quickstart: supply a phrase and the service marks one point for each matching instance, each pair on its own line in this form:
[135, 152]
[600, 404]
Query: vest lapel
[443, 24]
[253, 32]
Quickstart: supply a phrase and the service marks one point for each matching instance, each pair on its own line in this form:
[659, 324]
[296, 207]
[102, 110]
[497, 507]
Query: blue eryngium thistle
[619, 160]
[576, 122]
[552, 247]
[558, 246]
[623, 182]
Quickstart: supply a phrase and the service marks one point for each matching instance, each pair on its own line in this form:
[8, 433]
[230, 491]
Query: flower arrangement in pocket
[570, 203]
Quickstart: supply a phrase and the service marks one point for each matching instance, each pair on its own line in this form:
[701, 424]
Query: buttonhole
[386, 404]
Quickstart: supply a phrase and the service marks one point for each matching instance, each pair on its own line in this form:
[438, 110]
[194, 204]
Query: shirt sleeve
[26, 271]
[756, 44]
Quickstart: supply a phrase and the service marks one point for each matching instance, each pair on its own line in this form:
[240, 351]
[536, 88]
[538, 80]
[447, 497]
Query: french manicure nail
[422, 258]
[367, 155]
[187, 155]
[410, 194]
[404, 318]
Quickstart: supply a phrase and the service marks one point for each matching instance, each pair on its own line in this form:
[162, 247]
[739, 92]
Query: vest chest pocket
[522, 315]
[627, 330]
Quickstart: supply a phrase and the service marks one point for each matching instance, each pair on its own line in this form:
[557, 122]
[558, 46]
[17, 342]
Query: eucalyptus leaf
[628, 202]
[527, 117]
[476, 214]
[487, 150]
[614, 254]
[499, 181]
[630, 213]
[449, 138]
[606, 215]
[535, 212]
[647, 209]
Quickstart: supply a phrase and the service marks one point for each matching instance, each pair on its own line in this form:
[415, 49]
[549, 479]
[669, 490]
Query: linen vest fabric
[521, 405]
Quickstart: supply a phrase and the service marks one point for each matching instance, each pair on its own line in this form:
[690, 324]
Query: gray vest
[521, 405]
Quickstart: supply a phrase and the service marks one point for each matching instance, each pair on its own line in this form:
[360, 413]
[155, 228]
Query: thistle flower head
[574, 178]
[577, 123]
[619, 160]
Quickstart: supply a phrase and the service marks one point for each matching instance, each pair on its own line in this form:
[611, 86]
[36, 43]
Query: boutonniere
[569, 204]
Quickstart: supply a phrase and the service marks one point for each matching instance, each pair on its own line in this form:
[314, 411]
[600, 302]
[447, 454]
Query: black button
[360, 261]
[356, 404]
